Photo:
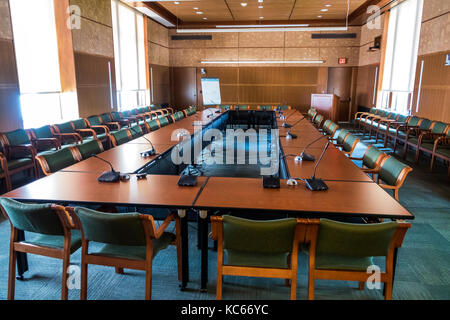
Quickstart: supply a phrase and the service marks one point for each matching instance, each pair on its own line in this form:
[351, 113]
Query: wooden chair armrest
[386, 186]
[353, 158]
[216, 223]
[101, 127]
[53, 141]
[156, 234]
[22, 147]
[65, 136]
[116, 124]
[76, 223]
[92, 131]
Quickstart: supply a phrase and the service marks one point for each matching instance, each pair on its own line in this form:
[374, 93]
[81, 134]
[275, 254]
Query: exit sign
[342, 61]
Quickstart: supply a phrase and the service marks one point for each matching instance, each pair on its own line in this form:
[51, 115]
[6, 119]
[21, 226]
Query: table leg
[203, 215]
[21, 257]
[184, 249]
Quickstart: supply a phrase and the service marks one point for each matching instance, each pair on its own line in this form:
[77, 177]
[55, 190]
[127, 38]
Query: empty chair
[349, 144]
[66, 132]
[441, 149]
[54, 236]
[284, 107]
[163, 121]
[393, 173]
[331, 129]
[427, 137]
[153, 125]
[121, 137]
[344, 251]
[130, 240]
[55, 161]
[256, 249]
[43, 139]
[265, 107]
[371, 160]
[318, 121]
[136, 131]
[339, 140]
[413, 135]
[4, 174]
[88, 148]
[241, 107]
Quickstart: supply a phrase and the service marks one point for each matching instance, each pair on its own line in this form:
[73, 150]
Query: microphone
[107, 176]
[211, 113]
[290, 135]
[306, 156]
[147, 153]
[314, 184]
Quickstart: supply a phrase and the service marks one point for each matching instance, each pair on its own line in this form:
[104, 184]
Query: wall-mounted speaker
[192, 37]
[333, 36]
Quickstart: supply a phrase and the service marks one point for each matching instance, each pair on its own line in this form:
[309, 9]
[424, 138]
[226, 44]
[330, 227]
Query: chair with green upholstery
[349, 144]
[136, 131]
[117, 116]
[345, 251]
[163, 121]
[441, 149]
[397, 128]
[256, 249]
[283, 107]
[55, 161]
[120, 137]
[19, 152]
[177, 116]
[325, 125]
[242, 107]
[427, 138]
[266, 107]
[413, 134]
[54, 236]
[383, 124]
[43, 139]
[413, 122]
[393, 173]
[66, 132]
[311, 113]
[367, 119]
[360, 116]
[339, 140]
[331, 129]
[82, 128]
[129, 240]
[371, 160]
[318, 121]
[373, 124]
[100, 131]
[4, 173]
[88, 148]
[223, 107]
[153, 125]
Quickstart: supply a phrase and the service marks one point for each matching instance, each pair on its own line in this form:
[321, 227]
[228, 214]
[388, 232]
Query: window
[129, 52]
[401, 55]
[37, 59]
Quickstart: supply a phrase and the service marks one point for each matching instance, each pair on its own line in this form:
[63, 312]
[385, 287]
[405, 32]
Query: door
[184, 87]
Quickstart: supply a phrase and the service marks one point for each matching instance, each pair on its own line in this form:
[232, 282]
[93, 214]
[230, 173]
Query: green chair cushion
[348, 143]
[79, 124]
[17, 163]
[443, 151]
[163, 121]
[337, 262]
[94, 121]
[43, 132]
[121, 136]
[136, 131]
[17, 137]
[371, 156]
[60, 159]
[153, 124]
[253, 259]
[65, 127]
[88, 148]
[135, 252]
[390, 170]
[439, 127]
[57, 242]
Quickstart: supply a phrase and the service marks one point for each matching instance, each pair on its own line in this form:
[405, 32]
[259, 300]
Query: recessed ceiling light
[261, 17]
[261, 7]
[260, 1]
[205, 18]
[328, 5]
[319, 16]
[324, 10]
[176, 2]
[199, 12]
[244, 4]
[195, 8]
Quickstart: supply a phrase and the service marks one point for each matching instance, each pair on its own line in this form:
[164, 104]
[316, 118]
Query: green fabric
[105, 118]
[153, 124]
[79, 124]
[384, 113]
[402, 118]
[126, 113]
[113, 228]
[443, 151]
[37, 218]
[373, 110]
[378, 111]
[59, 159]
[116, 116]
[135, 252]
[43, 132]
[348, 143]
[348, 246]
[17, 163]
[94, 121]
[57, 242]
[154, 108]
[88, 148]
[390, 170]
[260, 243]
[326, 124]
[136, 131]
[392, 115]
[163, 121]
[318, 118]
[17, 137]
[265, 107]
[425, 124]
[332, 128]
[242, 107]
[341, 135]
[371, 156]
[283, 107]
[413, 121]
[65, 127]
[439, 127]
[121, 136]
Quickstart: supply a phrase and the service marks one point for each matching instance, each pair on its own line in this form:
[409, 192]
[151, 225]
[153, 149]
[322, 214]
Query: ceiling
[273, 10]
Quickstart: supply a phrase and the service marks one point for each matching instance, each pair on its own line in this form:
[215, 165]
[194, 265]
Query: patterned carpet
[422, 271]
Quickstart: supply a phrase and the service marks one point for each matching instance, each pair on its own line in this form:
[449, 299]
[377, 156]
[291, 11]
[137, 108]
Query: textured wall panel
[5, 20]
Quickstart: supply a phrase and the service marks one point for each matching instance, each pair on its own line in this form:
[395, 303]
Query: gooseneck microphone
[314, 184]
[292, 135]
[107, 176]
[146, 153]
[306, 156]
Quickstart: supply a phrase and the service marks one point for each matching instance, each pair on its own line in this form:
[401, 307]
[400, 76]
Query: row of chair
[337, 250]
[51, 162]
[423, 135]
[20, 148]
[378, 164]
[247, 107]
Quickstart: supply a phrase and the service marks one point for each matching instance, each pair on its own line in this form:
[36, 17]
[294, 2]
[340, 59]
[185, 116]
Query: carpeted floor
[423, 269]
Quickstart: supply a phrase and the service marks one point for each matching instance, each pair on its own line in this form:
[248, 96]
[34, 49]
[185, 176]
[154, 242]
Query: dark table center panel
[250, 148]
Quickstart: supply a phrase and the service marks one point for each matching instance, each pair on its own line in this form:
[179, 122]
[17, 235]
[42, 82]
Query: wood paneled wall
[161, 84]
[93, 86]
[365, 84]
[266, 85]
[434, 100]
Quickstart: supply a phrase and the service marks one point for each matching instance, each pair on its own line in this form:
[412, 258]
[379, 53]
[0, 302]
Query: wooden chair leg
[288, 258]
[219, 284]
[84, 272]
[64, 288]
[416, 159]
[311, 287]
[388, 290]
[148, 282]
[8, 182]
[294, 286]
[118, 270]
[12, 273]
[432, 163]
[361, 285]
[396, 194]
[405, 149]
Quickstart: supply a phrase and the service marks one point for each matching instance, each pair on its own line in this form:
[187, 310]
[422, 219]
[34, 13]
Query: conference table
[351, 193]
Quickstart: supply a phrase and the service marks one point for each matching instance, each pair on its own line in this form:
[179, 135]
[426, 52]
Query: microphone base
[307, 157]
[291, 136]
[109, 176]
[316, 184]
[285, 125]
[148, 153]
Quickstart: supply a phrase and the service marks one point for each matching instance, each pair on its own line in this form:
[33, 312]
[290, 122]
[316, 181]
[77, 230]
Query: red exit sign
[342, 61]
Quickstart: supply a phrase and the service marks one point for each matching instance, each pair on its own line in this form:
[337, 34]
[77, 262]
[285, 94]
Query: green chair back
[121, 136]
[65, 127]
[153, 124]
[43, 132]
[392, 115]
[373, 110]
[371, 156]
[354, 240]
[348, 142]
[326, 124]
[79, 124]
[331, 128]
[390, 170]
[224, 106]
[60, 159]
[113, 228]
[378, 112]
[258, 243]
[402, 118]
[283, 107]
[37, 218]
[163, 121]
[318, 119]
[341, 136]
[154, 108]
[94, 120]
[439, 127]
[265, 107]
[105, 117]
[116, 116]
[136, 131]
[17, 137]
[425, 124]
[87, 149]
[242, 107]
[413, 121]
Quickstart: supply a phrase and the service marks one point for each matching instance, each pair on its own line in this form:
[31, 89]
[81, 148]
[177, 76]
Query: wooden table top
[124, 158]
[83, 187]
[334, 166]
[342, 199]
